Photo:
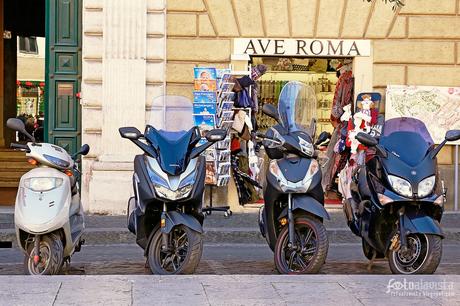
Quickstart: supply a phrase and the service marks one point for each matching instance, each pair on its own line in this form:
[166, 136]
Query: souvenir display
[213, 108]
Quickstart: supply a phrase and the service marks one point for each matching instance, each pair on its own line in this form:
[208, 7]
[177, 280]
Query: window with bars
[28, 45]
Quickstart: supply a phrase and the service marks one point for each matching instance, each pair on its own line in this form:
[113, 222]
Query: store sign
[302, 47]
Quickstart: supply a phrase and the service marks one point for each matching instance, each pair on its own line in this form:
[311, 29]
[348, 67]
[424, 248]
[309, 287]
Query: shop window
[28, 45]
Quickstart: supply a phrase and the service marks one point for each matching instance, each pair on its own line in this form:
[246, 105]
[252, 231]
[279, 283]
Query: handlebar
[19, 146]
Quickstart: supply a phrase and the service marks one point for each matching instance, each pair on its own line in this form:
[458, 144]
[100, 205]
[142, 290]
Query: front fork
[164, 236]
[36, 250]
[291, 227]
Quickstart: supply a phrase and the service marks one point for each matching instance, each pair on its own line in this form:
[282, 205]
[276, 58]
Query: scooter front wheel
[50, 258]
[183, 255]
[422, 256]
[310, 251]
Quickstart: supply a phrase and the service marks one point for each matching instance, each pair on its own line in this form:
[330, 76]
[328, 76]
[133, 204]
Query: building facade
[133, 51]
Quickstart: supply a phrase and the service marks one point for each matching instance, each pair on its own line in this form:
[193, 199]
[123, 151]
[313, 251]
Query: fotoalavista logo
[403, 287]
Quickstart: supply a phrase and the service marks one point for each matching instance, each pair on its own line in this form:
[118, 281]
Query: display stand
[213, 108]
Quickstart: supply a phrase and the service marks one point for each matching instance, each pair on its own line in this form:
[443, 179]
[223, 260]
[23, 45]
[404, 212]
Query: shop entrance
[321, 74]
[40, 75]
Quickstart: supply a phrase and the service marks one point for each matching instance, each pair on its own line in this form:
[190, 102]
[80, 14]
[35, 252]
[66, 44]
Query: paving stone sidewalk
[231, 290]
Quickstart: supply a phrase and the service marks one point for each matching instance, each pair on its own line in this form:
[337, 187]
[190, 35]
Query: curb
[98, 236]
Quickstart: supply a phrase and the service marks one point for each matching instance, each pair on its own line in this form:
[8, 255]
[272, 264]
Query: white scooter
[48, 216]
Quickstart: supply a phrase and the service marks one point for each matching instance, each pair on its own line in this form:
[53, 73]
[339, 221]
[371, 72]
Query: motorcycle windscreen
[297, 108]
[173, 131]
[408, 138]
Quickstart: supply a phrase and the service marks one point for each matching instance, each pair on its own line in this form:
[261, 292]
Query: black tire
[191, 255]
[320, 243]
[52, 257]
[427, 260]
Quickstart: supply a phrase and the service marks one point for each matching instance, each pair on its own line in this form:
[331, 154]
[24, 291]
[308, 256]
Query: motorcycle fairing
[173, 148]
[306, 203]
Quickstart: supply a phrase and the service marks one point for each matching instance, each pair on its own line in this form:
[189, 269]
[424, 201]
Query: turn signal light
[163, 222]
[439, 201]
[68, 173]
[283, 221]
[384, 199]
[32, 161]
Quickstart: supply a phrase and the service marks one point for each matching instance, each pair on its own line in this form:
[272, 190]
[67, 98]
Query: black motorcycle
[166, 212]
[399, 197]
[292, 218]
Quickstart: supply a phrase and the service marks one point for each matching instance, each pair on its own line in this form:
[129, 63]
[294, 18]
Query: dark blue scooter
[400, 197]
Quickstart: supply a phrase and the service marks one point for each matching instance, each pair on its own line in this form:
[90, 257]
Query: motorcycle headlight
[41, 184]
[169, 194]
[401, 186]
[426, 186]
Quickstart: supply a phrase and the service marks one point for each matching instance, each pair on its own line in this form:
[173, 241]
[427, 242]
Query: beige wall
[414, 45]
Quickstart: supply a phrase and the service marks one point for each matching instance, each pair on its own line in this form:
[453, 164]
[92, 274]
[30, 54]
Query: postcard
[211, 154]
[224, 155]
[223, 180]
[224, 144]
[205, 73]
[205, 85]
[204, 108]
[204, 122]
[211, 178]
[204, 97]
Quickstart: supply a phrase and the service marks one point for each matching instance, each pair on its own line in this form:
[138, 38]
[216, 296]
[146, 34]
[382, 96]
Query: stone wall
[123, 69]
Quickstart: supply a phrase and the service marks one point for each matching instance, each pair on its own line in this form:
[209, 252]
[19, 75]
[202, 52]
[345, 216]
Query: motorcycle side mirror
[452, 135]
[366, 139]
[271, 111]
[216, 135]
[17, 125]
[84, 150]
[130, 132]
[322, 137]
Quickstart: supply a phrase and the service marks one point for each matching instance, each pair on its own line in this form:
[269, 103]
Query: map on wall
[437, 107]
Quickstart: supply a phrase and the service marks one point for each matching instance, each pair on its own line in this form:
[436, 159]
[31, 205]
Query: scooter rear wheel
[51, 257]
[423, 256]
[311, 237]
[184, 255]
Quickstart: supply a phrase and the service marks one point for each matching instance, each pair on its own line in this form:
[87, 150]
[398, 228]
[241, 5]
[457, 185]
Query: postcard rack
[213, 108]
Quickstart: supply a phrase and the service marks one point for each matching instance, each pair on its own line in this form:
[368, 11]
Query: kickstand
[371, 262]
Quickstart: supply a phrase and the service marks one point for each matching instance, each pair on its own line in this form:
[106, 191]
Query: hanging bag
[242, 99]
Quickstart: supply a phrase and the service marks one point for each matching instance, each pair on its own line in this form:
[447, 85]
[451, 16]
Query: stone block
[446, 156]
[156, 4]
[458, 53]
[205, 27]
[91, 4]
[199, 50]
[186, 5]
[223, 18]
[388, 75]
[152, 91]
[380, 21]
[433, 76]
[249, 18]
[91, 93]
[180, 90]
[155, 72]
[181, 24]
[330, 13]
[155, 48]
[434, 27]
[109, 191]
[91, 69]
[399, 28]
[93, 21]
[276, 18]
[356, 14]
[92, 46]
[92, 118]
[179, 72]
[429, 7]
[426, 52]
[155, 23]
[303, 15]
